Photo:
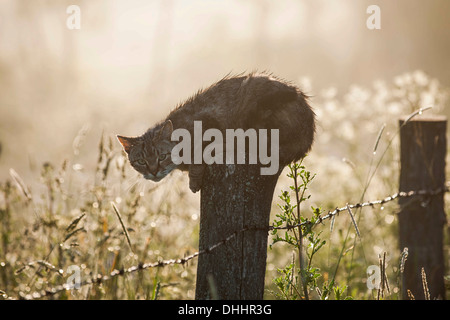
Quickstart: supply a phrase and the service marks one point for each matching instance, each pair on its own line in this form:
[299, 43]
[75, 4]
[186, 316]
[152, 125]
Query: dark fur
[253, 101]
[258, 101]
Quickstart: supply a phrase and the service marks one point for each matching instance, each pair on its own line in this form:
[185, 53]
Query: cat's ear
[128, 142]
[165, 132]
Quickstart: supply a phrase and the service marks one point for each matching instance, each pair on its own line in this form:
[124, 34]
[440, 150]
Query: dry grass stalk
[403, 260]
[426, 292]
[125, 231]
[353, 220]
[384, 284]
[378, 139]
[20, 184]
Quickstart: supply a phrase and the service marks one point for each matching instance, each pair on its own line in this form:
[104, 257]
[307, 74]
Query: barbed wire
[99, 278]
[387, 199]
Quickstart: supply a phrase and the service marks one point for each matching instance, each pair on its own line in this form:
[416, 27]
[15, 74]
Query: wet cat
[252, 101]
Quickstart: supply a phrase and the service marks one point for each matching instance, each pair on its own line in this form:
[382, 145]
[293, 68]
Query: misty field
[78, 223]
[68, 218]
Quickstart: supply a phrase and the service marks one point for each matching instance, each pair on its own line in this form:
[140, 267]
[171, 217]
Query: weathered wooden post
[236, 197]
[421, 221]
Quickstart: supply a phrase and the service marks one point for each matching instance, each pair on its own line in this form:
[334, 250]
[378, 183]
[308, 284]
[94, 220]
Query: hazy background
[132, 61]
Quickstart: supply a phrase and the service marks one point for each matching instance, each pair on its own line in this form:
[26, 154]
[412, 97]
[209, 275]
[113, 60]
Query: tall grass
[355, 169]
[99, 223]
[99, 215]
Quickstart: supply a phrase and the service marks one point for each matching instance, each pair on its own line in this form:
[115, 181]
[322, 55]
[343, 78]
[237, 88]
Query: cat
[255, 100]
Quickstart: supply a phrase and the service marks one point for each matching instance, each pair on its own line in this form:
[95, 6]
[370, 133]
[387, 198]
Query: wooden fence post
[423, 147]
[234, 197]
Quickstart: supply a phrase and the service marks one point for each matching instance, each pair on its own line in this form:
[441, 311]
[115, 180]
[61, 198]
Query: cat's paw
[196, 177]
[195, 185]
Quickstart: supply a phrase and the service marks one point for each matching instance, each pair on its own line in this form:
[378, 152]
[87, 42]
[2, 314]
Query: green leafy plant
[297, 280]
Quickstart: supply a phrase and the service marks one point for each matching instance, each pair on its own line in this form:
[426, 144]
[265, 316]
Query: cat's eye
[162, 157]
[141, 162]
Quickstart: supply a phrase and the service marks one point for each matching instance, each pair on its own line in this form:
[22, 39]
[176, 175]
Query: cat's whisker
[132, 182]
[143, 187]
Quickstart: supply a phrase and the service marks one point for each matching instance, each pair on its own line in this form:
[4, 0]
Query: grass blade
[122, 224]
[378, 138]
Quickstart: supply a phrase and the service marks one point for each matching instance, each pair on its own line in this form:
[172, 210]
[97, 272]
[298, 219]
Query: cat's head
[149, 154]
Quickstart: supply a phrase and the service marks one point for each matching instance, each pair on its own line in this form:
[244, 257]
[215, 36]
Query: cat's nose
[152, 170]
